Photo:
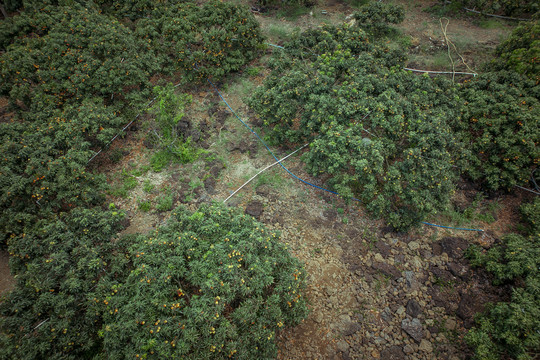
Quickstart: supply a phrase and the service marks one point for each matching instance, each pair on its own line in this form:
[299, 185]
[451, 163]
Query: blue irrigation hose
[450, 227]
[276, 46]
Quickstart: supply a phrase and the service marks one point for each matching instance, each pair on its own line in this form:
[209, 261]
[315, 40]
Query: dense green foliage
[521, 51]
[511, 328]
[59, 263]
[506, 7]
[212, 283]
[375, 17]
[74, 77]
[381, 133]
[500, 123]
[202, 41]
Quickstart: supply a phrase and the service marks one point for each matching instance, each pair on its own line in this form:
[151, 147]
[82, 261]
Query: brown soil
[7, 282]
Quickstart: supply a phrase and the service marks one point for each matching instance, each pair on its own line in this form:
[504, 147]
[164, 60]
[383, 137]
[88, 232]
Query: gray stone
[436, 248]
[254, 208]
[450, 324]
[413, 328]
[425, 346]
[387, 269]
[386, 314]
[408, 349]
[343, 346]
[392, 353]
[351, 329]
[458, 270]
[413, 308]
[383, 248]
[411, 281]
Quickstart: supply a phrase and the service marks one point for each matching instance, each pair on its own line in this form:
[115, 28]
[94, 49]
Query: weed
[118, 192]
[164, 203]
[144, 206]
[160, 160]
[292, 13]
[440, 61]
[270, 178]
[280, 32]
[130, 182]
[490, 24]
[141, 171]
[444, 9]
[244, 88]
[194, 184]
[357, 3]
[254, 71]
[148, 187]
[448, 284]
[115, 156]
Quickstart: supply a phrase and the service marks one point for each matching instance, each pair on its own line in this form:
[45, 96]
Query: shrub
[74, 77]
[202, 41]
[380, 133]
[521, 51]
[375, 17]
[500, 122]
[511, 328]
[58, 262]
[210, 284]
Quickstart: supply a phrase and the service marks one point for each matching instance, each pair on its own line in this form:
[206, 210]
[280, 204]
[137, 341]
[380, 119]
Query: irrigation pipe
[523, 188]
[492, 15]
[37, 326]
[440, 72]
[496, 16]
[266, 168]
[405, 68]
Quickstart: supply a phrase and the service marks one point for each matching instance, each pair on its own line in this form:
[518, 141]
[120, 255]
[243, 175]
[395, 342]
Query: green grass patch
[490, 24]
[357, 3]
[145, 206]
[161, 160]
[164, 203]
[280, 32]
[148, 187]
[292, 13]
[270, 177]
